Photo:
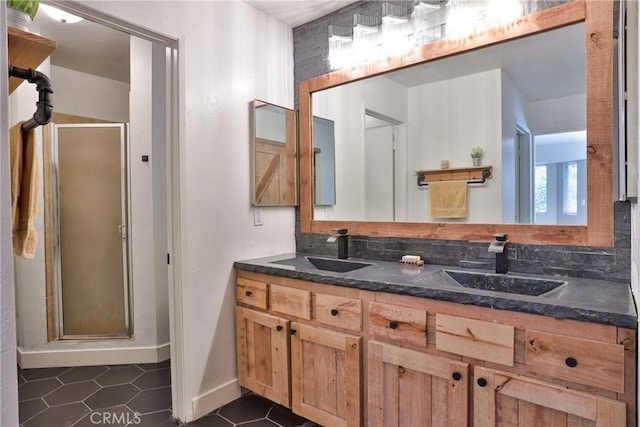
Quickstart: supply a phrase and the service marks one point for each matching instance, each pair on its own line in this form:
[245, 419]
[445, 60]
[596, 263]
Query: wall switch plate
[257, 217]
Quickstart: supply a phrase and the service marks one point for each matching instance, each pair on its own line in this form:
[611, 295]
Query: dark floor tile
[59, 416]
[121, 375]
[68, 393]
[152, 366]
[20, 380]
[81, 373]
[285, 417]
[30, 408]
[42, 373]
[120, 416]
[34, 389]
[247, 408]
[153, 379]
[157, 419]
[211, 421]
[153, 400]
[109, 397]
[260, 423]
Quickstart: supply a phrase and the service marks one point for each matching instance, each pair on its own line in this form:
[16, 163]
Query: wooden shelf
[473, 173]
[27, 50]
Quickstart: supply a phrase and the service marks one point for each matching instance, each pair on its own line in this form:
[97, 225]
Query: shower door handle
[123, 231]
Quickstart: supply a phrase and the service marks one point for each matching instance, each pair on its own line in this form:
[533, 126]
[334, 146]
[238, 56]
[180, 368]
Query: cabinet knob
[482, 382]
[248, 293]
[571, 362]
[456, 376]
[292, 331]
[279, 328]
[334, 312]
[393, 325]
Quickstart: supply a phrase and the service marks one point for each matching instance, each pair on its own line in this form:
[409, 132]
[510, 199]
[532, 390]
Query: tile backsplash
[574, 261]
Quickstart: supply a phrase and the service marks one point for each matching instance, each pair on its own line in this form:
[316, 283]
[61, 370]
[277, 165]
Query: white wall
[108, 100]
[87, 95]
[446, 119]
[345, 105]
[229, 54]
[8, 374]
[564, 114]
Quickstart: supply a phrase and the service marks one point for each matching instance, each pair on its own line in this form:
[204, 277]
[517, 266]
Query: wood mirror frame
[599, 231]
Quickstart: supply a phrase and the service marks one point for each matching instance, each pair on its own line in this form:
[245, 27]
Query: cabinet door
[326, 371]
[410, 388]
[263, 354]
[504, 399]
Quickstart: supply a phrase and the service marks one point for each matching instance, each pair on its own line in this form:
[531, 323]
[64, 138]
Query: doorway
[382, 153]
[524, 162]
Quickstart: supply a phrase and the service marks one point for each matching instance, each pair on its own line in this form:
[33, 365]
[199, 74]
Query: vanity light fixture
[402, 27]
[59, 15]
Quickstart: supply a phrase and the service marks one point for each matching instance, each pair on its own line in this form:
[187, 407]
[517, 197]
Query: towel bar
[486, 173]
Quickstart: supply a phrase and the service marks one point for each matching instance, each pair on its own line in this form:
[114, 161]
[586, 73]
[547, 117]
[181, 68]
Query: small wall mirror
[274, 149]
[324, 162]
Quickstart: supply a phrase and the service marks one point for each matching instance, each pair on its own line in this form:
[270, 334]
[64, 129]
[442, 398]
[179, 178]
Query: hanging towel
[448, 199]
[25, 188]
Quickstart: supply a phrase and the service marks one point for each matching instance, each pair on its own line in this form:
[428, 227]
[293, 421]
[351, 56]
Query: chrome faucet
[499, 247]
[342, 237]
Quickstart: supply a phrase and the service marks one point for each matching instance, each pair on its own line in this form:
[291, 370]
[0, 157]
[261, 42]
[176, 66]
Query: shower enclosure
[91, 251]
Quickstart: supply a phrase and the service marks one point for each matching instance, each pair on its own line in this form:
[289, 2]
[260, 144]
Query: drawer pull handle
[393, 325]
[248, 293]
[292, 331]
[334, 312]
[482, 382]
[279, 328]
[457, 376]
[571, 362]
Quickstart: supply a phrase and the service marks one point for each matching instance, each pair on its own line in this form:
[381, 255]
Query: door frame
[180, 404]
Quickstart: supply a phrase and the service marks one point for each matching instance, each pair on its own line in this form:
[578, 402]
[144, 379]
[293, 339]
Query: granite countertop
[588, 300]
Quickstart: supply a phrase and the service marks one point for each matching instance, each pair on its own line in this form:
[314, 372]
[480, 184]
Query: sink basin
[326, 264]
[501, 283]
[336, 265]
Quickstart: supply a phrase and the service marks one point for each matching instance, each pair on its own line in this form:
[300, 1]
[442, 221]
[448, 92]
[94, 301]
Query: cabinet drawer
[251, 292]
[481, 340]
[578, 360]
[295, 302]
[337, 311]
[401, 324]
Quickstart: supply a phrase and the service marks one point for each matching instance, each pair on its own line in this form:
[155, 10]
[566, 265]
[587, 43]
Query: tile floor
[128, 395]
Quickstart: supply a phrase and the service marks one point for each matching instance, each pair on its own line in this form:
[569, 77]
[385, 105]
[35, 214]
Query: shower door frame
[124, 232]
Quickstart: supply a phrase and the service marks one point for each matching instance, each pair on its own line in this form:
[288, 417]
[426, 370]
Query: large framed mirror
[274, 146]
[536, 95]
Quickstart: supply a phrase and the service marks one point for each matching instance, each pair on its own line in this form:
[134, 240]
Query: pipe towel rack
[473, 175]
[44, 108]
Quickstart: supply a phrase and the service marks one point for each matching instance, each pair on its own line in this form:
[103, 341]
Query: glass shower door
[91, 251]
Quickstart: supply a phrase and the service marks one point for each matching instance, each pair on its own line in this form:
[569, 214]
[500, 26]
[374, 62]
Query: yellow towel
[25, 188]
[448, 199]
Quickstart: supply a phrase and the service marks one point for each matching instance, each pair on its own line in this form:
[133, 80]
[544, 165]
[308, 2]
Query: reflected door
[92, 279]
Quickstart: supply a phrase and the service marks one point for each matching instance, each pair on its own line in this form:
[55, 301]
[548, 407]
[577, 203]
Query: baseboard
[90, 357]
[213, 399]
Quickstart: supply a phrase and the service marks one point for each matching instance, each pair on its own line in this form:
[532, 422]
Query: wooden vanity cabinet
[263, 354]
[425, 362]
[411, 388]
[326, 369]
[505, 399]
[299, 345]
